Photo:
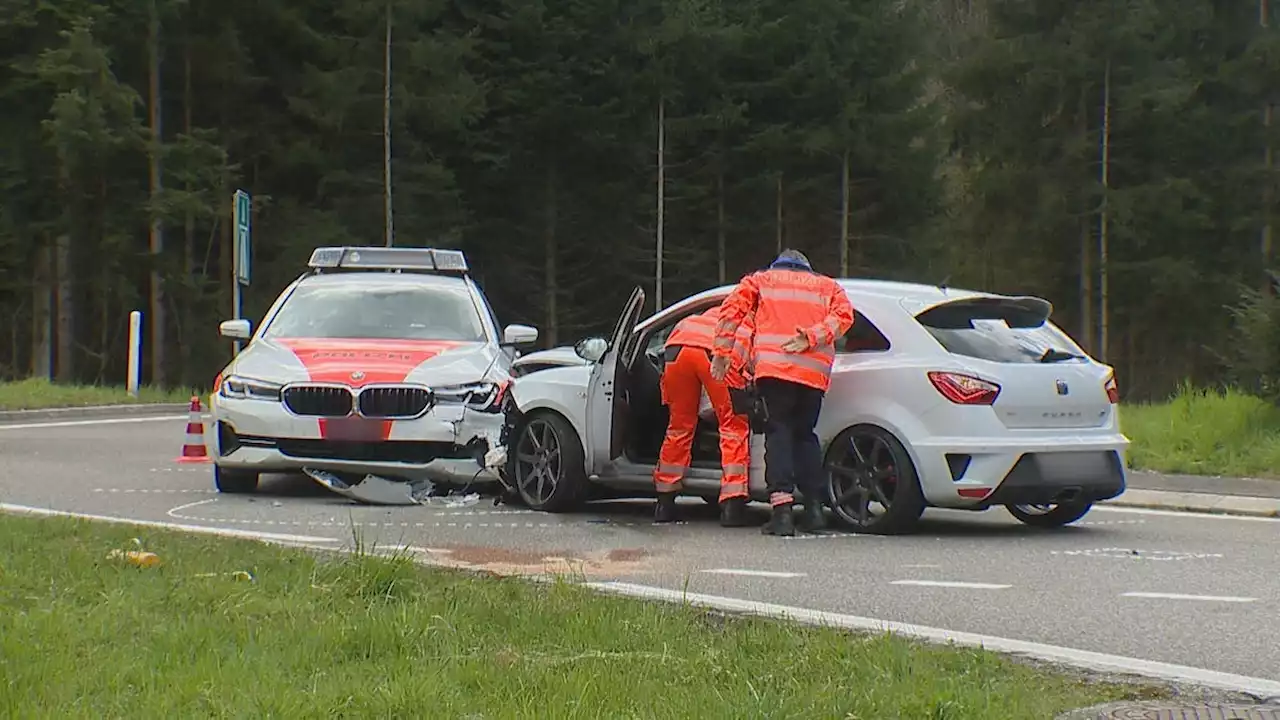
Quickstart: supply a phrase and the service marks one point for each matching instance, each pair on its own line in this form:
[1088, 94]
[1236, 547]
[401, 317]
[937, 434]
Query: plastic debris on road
[376, 490]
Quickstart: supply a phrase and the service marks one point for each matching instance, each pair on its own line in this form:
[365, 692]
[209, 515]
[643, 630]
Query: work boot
[813, 518]
[781, 523]
[665, 510]
[733, 512]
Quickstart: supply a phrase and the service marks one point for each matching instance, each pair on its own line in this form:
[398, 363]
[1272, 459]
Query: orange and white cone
[193, 449]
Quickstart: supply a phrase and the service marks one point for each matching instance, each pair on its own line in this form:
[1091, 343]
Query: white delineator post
[135, 352]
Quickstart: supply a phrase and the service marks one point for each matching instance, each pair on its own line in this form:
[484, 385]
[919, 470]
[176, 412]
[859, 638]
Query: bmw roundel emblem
[357, 375]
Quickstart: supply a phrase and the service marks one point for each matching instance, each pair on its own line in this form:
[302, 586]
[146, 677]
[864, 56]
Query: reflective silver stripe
[678, 435]
[820, 365]
[671, 470]
[780, 498]
[735, 469]
[730, 490]
[809, 296]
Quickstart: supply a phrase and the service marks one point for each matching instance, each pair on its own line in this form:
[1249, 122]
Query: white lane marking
[226, 532]
[1182, 514]
[752, 573]
[104, 421]
[1136, 554]
[1179, 596]
[1079, 658]
[157, 491]
[951, 584]
[173, 512]
[922, 566]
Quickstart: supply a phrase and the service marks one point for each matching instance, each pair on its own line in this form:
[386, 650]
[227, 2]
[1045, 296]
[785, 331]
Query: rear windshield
[361, 311]
[994, 340]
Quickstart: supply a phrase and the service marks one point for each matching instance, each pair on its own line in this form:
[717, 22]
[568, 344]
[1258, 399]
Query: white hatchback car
[381, 361]
[939, 397]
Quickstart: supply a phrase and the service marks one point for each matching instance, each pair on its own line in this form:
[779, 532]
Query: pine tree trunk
[42, 311]
[1086, 264]
[550, 249]
[1268, 163]
[844, 215]
[192, 292]
[390, 232]
[721, 269]
[1103, 249]
[778, 215]
[66, 326]
[662, 182]
[156, 237]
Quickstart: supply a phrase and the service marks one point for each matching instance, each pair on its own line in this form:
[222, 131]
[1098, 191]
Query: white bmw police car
[380, 362]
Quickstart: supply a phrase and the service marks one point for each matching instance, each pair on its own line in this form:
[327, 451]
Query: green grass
[316, 635]
[35, 394]
[1205, 432]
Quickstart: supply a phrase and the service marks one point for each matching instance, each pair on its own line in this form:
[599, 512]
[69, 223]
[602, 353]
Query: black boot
[733, 512]
[813, 518]
[665, 510]
[781, 523]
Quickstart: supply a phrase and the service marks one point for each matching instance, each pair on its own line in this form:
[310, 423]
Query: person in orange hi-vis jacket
[686, 374]
[798, 314]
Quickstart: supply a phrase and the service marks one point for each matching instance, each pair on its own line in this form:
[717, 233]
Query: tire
[1055, 517]
[879, 470]
[236, 482]
[548, 479]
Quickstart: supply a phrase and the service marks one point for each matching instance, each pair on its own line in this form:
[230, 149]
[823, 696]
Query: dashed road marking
[1137, 554]
[157, 491]
[752, 573]
[1180, 596]
[952, 584]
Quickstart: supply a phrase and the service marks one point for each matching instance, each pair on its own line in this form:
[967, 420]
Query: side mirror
[519, 335]
[591, 349]
[235, 329]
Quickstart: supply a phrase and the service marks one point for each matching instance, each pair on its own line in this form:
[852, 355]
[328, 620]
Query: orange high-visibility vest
[783, 303]
[700, 331]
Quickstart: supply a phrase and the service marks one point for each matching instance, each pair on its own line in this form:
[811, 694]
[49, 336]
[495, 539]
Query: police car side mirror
[591, 349]
[235, 329]
[519, 335]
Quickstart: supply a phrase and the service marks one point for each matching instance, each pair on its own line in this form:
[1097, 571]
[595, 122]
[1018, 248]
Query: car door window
[863, 336]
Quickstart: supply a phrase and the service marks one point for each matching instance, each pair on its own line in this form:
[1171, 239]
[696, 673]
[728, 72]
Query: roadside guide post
[241, 260]
[135, 353]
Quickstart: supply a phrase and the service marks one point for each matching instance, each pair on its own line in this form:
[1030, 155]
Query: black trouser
[792, 456]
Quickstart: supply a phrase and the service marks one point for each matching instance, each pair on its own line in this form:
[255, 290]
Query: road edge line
[179, 527]
[92, 411]
[1085, 659]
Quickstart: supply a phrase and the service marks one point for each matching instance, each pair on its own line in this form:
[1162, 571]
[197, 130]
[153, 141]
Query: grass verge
[318, 636]
[1205, 432]
[38, 394]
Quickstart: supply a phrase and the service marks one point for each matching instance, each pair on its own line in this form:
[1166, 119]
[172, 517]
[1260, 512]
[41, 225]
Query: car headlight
[482, 396]
[243, 388]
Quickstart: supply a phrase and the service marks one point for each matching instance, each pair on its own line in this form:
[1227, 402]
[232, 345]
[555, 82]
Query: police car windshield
[395, 312]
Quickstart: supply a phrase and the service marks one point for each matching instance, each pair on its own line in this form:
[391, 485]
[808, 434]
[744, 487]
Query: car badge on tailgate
[357, 375]
[1062, 387]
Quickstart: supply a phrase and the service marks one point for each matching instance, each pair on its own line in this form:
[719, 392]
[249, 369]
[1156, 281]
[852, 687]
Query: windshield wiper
[1052, 356]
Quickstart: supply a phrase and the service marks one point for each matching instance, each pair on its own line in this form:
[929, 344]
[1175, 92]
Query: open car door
[607, 401]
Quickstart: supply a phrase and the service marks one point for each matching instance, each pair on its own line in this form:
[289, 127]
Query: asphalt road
[1190, 590]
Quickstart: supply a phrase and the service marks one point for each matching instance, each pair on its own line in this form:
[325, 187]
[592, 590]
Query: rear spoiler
[1016, 311]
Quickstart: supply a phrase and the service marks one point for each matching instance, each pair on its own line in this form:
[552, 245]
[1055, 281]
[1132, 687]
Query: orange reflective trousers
[682, 384]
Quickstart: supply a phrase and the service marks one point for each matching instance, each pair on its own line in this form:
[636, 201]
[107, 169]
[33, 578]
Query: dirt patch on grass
[506, 561]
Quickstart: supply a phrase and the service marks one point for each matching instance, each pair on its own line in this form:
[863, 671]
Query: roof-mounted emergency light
[388, 258]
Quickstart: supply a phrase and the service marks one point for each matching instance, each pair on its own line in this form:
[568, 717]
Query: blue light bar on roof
[388, 258]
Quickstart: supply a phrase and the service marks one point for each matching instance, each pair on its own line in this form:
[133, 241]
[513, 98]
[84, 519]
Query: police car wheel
[872, 484]
[234, 481]
[547, 465]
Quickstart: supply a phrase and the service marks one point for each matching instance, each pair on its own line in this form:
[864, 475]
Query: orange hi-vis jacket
[785, 302]
[699, 331]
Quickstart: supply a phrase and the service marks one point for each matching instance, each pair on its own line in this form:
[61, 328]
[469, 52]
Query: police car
[940, 397]
[378, 364]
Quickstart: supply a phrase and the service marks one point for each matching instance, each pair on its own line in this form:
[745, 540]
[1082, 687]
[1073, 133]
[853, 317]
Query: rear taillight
[1113, 390]
[964, 389]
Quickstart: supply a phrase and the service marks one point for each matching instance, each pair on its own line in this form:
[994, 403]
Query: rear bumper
[962, 475]
[443, 446]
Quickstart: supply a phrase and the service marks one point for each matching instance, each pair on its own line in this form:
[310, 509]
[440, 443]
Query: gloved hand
[799, 343]
[719, 367]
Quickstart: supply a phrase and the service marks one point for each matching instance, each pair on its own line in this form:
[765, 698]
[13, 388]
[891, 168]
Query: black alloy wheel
[548, 464]
[872, 482]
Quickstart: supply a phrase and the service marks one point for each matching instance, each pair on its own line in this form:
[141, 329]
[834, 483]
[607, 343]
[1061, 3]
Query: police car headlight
[239, 387]
[482, 396]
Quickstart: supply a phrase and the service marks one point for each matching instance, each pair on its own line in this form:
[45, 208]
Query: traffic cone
[193, 449]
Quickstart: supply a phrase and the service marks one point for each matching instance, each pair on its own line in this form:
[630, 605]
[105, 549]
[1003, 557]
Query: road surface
[1190, 590]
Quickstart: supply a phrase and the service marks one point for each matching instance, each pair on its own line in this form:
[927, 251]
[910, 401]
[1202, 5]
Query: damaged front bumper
[447, 446]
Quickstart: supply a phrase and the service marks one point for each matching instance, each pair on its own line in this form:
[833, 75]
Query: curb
[1198, 502]
[94, 411]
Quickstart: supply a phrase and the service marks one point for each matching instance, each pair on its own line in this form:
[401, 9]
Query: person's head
[791, 260]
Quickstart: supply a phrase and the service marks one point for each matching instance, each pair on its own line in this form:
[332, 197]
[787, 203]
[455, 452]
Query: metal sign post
[240, 220]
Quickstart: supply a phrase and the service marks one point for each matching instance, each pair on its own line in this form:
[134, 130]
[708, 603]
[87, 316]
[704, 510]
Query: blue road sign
[242, 237]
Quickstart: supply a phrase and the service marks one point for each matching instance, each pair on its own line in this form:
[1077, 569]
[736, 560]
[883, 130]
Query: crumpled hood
[357, 363]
